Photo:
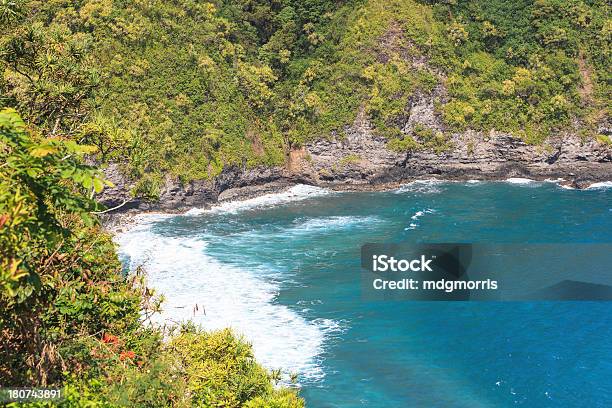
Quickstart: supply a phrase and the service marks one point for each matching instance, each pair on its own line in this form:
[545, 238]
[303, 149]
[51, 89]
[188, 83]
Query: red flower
[127, 354]
[3, 219]
[110, 339]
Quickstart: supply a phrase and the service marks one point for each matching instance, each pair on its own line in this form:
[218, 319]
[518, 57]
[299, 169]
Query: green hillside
[187, 87]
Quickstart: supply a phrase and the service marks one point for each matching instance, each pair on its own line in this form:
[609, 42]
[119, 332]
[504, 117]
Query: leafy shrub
[406, 144]
[222, 371]
[59, 273]
[69, 317]
[148, 186]
[349, 159]
[279, 399]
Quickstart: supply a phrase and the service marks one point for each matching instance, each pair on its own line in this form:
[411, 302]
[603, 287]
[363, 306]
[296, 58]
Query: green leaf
[87, 182]
[78, 176]
[98, 185]
[74, 147]
[43, 150]
[67, 173]
[32, 172]
[10, 118]
[86, 149]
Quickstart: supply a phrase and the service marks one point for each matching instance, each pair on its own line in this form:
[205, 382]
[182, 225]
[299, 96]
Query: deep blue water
[422, 354]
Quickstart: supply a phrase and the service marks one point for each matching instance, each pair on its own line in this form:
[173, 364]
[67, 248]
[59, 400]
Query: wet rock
[477, 155]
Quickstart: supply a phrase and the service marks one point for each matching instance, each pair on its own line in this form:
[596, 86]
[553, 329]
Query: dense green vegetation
[68, 316]
[529, 66]
[186, 87]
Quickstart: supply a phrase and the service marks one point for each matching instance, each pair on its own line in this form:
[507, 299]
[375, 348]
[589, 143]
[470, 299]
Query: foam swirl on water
[226, 295]
[331, 223]
[415, 218]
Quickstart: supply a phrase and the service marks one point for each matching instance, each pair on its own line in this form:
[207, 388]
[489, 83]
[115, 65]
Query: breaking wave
[295, 193]
[214, 295]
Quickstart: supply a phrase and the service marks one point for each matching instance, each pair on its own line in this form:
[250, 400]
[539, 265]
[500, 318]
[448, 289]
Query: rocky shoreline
[360, 161]
[179, 203]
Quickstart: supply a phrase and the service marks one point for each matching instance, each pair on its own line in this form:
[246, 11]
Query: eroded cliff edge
[361, 160]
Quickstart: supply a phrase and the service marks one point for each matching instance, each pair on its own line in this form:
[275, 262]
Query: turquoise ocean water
[284, 271]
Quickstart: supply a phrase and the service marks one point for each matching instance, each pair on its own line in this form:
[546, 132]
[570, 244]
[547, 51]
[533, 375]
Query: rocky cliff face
[232, 183]
[360, 159]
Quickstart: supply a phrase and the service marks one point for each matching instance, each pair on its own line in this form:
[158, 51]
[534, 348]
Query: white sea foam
[520, 180]
[430, 186]
[226, 296]
[415, 218]
[601, 185]
[295, 193]
[332, 223]
[417, 215]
